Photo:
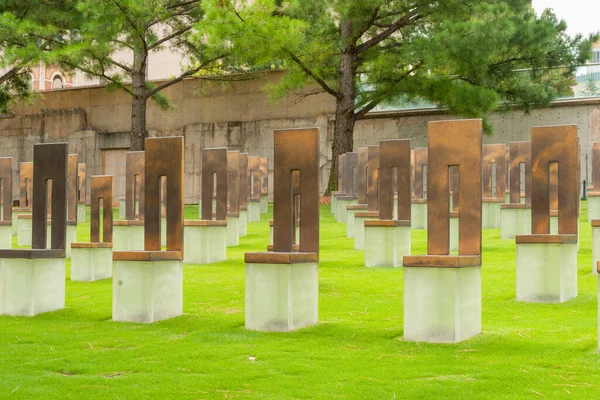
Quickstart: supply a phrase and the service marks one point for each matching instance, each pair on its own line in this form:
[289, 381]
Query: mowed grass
[356, 351]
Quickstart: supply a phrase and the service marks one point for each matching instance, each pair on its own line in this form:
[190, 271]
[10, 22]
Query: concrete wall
[238, 115]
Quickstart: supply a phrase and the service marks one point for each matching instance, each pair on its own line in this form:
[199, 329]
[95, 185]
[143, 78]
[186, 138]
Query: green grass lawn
[356, 350]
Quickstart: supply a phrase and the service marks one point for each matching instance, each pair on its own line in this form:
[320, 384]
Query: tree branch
[182, 4]
[169, 37]
[367, 25]
[101, 74]
[9, 74]
[405, 20]
[308, 72]
[381, 96]
[130, 22]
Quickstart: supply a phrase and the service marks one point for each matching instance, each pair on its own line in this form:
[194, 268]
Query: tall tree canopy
[116, 38]
[471, 56]
[28, 29]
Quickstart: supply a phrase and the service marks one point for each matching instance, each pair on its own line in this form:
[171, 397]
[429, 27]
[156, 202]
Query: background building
[588, 77]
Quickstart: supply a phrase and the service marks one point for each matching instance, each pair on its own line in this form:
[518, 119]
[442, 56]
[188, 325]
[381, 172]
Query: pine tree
[591, 89]
[111, 29]
[471, 56]
[28, 30]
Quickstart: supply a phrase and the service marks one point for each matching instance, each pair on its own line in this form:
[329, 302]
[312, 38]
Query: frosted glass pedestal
[31, 286]
[490, 217]
[80, 212]
[91, 261]
[281, 297]
[418, 214]
[342, 212]
[386, 243]
[442, 305]
[359, 227]
[593, 206]
[243, 223]
[70, 239]
[204, 242]
[454, 234]
[128, 235]
[333, 205]
[546, 272]
[516, 220]
[595, 245]
[122, 209]
[233, 231]
[253, 211]
[553, 225]
[15, 222]
[163, 231]
[24, 230]
[264, 203]
[598, 313]
[147, 291]
[5, 236]
[350, 223]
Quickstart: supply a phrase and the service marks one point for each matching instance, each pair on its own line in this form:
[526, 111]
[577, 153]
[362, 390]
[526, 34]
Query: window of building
[57, 82]
[596, 56]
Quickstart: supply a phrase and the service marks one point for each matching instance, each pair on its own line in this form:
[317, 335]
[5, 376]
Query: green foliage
[28, 29]
[591, 89]
[159, 98]
[116, 38]
[472, 56]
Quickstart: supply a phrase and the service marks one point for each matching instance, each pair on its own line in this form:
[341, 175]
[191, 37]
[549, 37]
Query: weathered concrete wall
[95, 122]
[507, 126]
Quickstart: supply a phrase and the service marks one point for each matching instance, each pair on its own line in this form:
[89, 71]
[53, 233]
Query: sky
[582, 16]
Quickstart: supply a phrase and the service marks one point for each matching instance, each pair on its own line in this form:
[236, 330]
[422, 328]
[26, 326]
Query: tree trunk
[343, 133]
[138, 123]
[343, 142]
[138, 101]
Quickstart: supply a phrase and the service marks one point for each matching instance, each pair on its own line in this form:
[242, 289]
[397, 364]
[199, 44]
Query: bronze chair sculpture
[6, 214]
[233, 198]
[33, 280]
[516, 216]
[362, 178]
[25, 203]
[442, 291]
[282, 285]
[494, 183]
[148, 284]
[81, 191]
[340, 184]
[72, 203]
[387, 239]
[254, 189]
[372, 212]
[93, 261]
[350, 186]
[593, 193]
[296, 216]
[264, 185]
[129, 233]
[546, 262]
[243, 194]
[205, 240]
[419, 190]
